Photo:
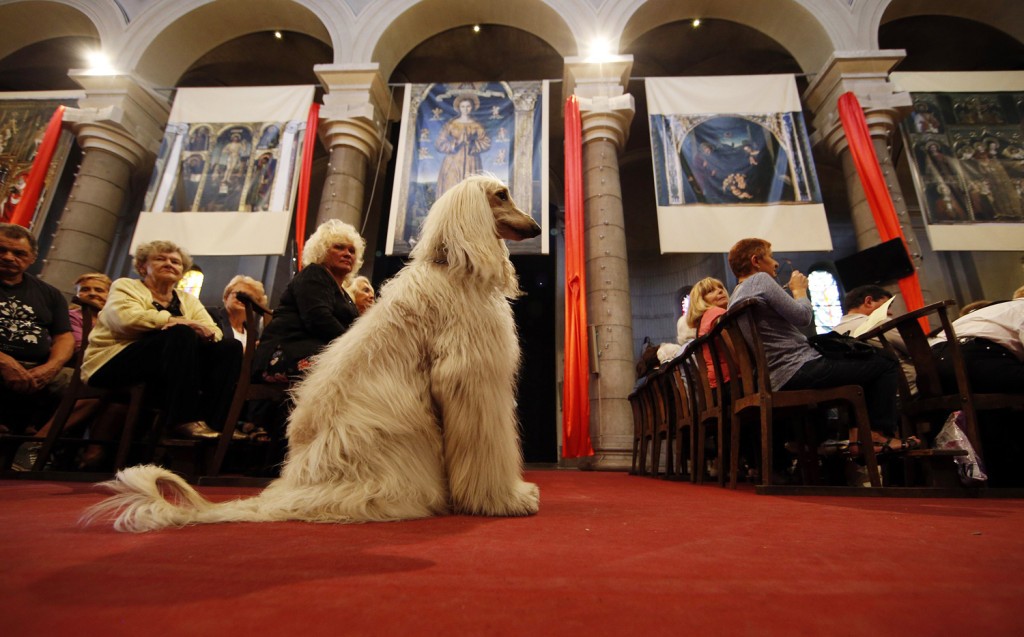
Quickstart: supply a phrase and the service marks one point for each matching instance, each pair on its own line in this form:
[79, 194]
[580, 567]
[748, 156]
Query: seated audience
[315, 308]
[975, 305]
[230, 318]
[990, 343]
[35, 336]
[361, 291]
[993, 355]
[150, 331]
[860, 302]
[792, 362]
[708, 302]
[91, 288]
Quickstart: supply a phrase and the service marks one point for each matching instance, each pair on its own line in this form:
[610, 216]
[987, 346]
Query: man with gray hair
[35, 335]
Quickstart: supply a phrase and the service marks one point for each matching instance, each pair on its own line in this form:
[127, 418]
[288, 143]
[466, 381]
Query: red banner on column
[882, 209]
[576, 376]
[26, 208]
[312, 124]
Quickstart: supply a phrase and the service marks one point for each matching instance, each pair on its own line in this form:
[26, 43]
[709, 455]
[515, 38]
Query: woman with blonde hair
[361, 291]
[315, 309]
[708, 301]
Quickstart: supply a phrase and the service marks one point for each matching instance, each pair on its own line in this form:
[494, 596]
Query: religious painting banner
[451, 131]
[965, 144]
[23, 121]
[732, 159]
[226, 173]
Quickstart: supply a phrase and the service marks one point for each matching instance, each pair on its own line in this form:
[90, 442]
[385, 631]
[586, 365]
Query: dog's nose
[532, 231]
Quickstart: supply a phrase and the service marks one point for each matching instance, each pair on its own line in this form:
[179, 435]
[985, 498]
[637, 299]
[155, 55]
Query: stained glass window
[825, 299]
[192, 282]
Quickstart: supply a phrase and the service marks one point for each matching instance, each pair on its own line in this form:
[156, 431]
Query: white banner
[732, 159]
[226, 175]
[966, 156]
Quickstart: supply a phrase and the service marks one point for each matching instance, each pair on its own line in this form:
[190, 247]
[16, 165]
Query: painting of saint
[223, 188]
[261, 183]
[461, 139]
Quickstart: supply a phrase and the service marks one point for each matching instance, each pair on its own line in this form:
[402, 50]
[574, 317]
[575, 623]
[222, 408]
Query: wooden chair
[931, 404]
[245, 389]
[711, 410]
[752, 394]
[636, 404]
[643, 436]
[78, 390]
[682, 417]
[663, 426]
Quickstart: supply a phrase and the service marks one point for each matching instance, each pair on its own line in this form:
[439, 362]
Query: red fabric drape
[576, 378]
[312, 124]
[26, 208]
[863, 152]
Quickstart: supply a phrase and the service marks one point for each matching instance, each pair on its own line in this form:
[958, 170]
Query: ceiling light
[476, 28]
[696, 22]
[99, 63]
[277, 34]
[600, 49]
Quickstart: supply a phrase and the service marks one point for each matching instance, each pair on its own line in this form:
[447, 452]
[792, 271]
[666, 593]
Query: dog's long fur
[411, 413]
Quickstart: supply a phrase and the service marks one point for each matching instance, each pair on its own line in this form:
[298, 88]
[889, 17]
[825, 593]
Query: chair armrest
[904, 318]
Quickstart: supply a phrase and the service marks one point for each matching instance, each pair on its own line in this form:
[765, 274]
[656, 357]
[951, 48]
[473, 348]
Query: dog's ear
[459, 232]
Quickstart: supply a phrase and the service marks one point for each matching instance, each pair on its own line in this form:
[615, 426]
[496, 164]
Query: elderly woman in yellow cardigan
[150, 331]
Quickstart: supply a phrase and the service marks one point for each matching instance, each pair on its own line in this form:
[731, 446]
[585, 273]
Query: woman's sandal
[260, 435]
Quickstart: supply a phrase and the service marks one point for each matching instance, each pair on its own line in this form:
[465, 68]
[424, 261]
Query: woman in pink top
[708, 300]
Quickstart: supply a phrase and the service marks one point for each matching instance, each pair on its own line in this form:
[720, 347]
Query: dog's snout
[533, 230]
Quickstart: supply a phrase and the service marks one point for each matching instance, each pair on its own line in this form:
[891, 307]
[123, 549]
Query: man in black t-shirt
[35, 335]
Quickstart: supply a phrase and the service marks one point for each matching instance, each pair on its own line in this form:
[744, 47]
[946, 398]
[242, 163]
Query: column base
[607, 461]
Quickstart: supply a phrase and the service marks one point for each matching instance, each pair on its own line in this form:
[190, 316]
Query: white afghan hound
[409, 414]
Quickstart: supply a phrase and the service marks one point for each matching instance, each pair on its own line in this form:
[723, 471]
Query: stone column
[606, 113]
[118, 126]
[353, 120]
[866, 75]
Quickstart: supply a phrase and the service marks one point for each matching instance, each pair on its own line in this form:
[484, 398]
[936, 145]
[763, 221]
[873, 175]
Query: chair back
[918, 349]
[744, 352]
[243, 388]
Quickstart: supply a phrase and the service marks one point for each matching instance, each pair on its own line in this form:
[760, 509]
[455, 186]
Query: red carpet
[609, 554]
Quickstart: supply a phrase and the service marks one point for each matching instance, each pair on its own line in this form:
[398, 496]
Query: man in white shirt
[860, 302]
[992, 344]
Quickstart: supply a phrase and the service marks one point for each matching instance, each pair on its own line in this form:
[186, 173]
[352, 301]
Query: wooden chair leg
[766, 445]
[137, 394]
[734, 450]
[57, 425]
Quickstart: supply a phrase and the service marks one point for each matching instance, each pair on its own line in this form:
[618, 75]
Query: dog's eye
[502, 194]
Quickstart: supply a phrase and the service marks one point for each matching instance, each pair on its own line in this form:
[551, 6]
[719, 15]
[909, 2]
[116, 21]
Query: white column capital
[607, 118]
[120, 114]
[608, 77]
[866, 75]
[882, 123]
[357, 106]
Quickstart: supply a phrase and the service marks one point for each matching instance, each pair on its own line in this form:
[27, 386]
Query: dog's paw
[525, 499]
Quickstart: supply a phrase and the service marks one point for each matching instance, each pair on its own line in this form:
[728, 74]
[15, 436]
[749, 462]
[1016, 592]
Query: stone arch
[787, 22]
[393, 37]
[23, 26]
[161, 51]
[1006, 16]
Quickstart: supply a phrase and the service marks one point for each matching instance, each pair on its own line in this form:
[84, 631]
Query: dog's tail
[148, 497]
